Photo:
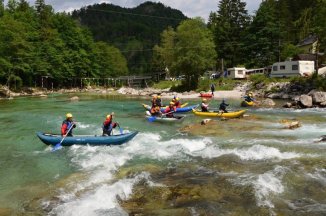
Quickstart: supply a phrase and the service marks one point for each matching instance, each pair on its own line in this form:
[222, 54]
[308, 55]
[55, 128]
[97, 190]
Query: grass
[166, 84]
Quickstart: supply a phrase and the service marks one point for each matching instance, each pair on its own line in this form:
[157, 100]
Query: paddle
[120, 129]
[58, 145]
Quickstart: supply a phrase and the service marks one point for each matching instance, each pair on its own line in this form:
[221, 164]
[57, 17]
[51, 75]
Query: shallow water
[248, 166]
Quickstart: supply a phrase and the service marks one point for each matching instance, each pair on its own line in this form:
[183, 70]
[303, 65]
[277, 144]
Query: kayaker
[212, 88]
[108, 125]
[67, 125]
[159, 101]
[249, 97]
[223, 106]
[170, 110]
[204, 105]
[156, 111]
[177, 103]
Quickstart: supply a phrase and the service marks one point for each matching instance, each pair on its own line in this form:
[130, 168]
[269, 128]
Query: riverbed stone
[287, 105]
[323, 104]
[318, 96]
[305, 101]
[268, 102]
[75, 98]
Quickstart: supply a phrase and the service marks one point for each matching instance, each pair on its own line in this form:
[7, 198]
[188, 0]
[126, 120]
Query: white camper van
[293, 68]
[237, 73]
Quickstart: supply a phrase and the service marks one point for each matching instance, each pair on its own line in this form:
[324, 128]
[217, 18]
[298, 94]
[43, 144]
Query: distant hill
[134, 31]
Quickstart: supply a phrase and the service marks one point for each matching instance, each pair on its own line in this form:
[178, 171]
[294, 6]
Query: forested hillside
[134, 31]
[36, 42]
[272, 33]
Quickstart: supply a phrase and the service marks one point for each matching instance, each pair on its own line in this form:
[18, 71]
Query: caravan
[237, 73]
[293, 68]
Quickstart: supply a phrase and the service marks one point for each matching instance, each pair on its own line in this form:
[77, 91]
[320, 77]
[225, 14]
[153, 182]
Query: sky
[191, 8]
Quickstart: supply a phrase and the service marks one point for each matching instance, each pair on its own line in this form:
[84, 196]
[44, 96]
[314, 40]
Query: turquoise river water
[247, 166]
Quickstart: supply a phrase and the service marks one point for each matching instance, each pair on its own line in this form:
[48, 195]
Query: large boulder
[318, 96]
[267, 102]
[305, 101]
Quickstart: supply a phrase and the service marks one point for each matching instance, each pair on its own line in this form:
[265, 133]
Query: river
[247, 166]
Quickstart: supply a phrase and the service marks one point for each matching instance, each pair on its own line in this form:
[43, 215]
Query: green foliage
[37, 42]
[221, 84]
[228, 25]
[192, 61]
[133, 30]
[167, 84]
[290, 50]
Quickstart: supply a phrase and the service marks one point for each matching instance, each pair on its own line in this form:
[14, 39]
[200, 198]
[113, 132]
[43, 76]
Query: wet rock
[305, 101]
[290, 124]
[267, 102]
[205, 121]
[75, 98]
[318, 96]
[322, 138]
[323, 104]
[287, 105]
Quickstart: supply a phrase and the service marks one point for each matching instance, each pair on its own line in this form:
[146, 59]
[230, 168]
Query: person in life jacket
[154, 101]
[249, 97]
[156, 111]
[223, 106]
[108, 125]
[67, 125]
[204, 105]
[159, 101]
[170, 110]
[177, 103]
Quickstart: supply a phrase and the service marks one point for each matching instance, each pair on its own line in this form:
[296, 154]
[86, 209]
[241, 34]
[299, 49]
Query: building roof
[308, 40]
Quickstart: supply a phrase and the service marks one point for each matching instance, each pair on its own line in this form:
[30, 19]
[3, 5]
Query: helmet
[177, 99]
[108, 116]
[204, 99]
[171, 103]
[68, 115]
[250, 94]
[173, 100]
[154, 96]
[159, 97]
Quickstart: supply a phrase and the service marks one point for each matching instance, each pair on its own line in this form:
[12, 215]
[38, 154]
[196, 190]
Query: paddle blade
[121, 130]
[56, 147]
[152, 119]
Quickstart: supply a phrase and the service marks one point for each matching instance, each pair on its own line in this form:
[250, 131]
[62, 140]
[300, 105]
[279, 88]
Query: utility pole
[316, 62]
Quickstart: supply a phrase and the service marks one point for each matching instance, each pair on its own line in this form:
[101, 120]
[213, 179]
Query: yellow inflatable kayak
[246, 103]
[220, 115]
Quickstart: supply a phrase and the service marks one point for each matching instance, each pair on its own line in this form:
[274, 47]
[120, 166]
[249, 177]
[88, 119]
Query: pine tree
[228, 25]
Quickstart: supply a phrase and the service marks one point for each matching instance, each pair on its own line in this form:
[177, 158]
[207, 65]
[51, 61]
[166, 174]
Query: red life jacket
[177, 104]
[168, 110]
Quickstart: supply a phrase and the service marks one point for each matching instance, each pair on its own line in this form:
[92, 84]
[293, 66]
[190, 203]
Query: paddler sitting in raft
[223, 106]
[204, 105]
[154, 98]
[177, 103]
[159, 101]
[108, 125]
[170, 110]
[67, 125]
[156, 111]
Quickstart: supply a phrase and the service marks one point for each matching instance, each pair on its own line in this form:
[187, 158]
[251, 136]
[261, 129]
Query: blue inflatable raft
[53, 139]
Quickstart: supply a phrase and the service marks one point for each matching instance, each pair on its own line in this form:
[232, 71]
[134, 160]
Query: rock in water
[318, 97]
[290, 124]
[205, 121]
[268, 102]
[75, 98]
[305, 101]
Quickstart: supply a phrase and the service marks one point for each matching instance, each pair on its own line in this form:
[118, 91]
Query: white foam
[256, 152]
[267, 185]
[100, 199]
[319, 175]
